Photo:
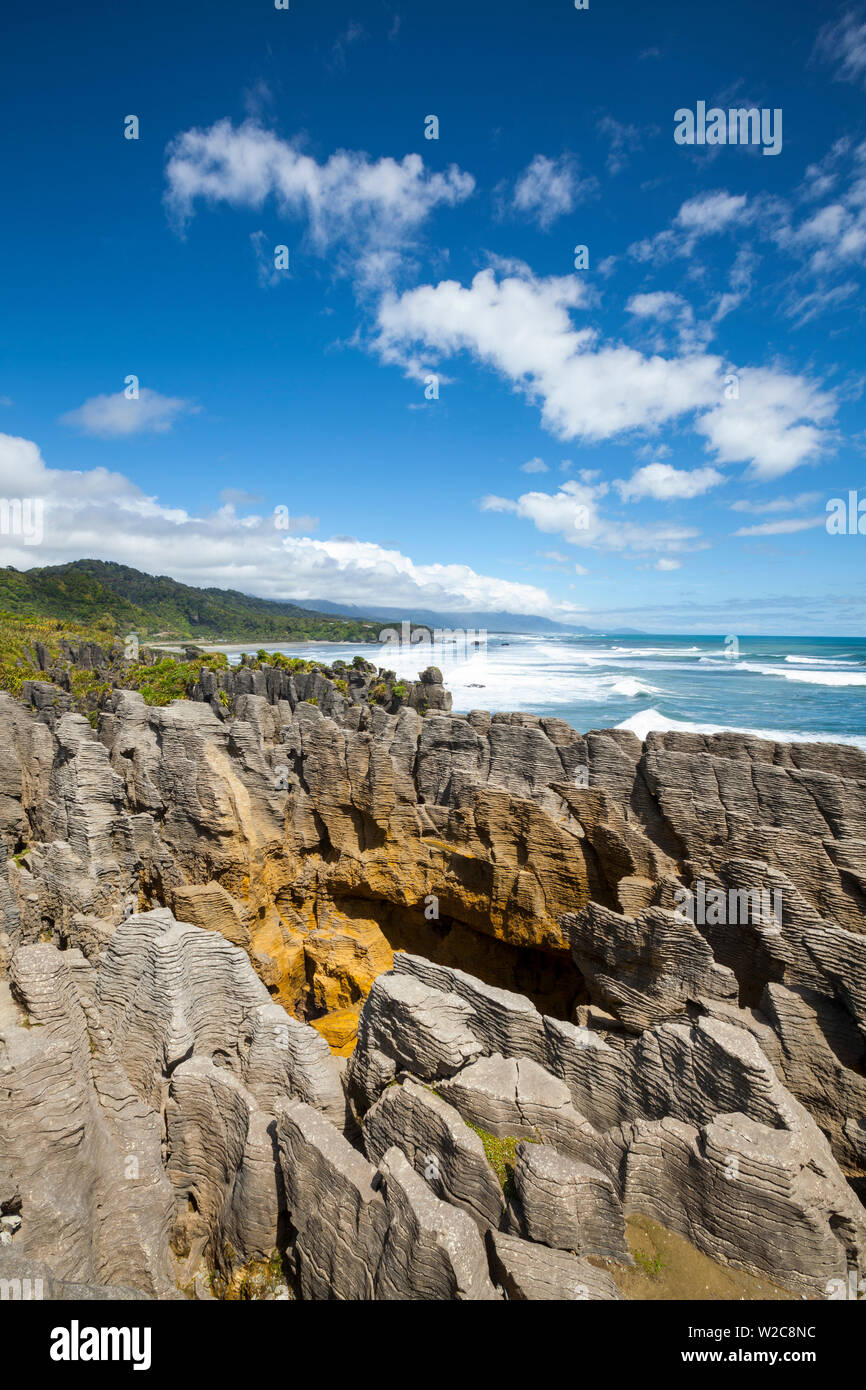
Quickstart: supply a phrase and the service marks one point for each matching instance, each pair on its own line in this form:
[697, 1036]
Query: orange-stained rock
[344, 956]
[340, 1030]
[208, 905]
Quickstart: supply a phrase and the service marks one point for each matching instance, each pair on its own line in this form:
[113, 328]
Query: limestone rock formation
[197, 898]
[536, 1273]
[688, 1123]
[567, 1205]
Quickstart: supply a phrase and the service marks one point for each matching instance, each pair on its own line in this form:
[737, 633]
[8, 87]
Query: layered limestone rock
[140, 1097]
[688, 1123]
[566, 1204]
[80, 1159]
[536, 1273]
[441, 1148]
[495, 906]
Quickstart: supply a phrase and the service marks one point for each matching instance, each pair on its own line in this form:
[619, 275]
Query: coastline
[780, 689]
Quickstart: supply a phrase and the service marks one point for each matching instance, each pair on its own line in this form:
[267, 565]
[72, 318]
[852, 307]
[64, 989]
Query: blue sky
[588, 457]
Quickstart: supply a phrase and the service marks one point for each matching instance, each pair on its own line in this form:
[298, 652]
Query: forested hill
[154, 606]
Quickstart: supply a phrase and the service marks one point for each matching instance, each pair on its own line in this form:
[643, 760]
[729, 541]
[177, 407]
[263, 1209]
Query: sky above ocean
[430, 305]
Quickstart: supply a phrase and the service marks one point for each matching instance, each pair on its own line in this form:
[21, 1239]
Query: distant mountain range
[157, 607]
[492, 621]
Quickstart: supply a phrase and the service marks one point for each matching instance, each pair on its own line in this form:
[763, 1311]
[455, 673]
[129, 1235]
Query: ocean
[786, 688]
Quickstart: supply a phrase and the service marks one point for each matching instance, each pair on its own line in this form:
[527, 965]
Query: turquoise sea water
[784, 687]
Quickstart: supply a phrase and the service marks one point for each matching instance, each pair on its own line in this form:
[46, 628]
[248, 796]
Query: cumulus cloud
[664, 483]
[832, 236]
[776, 420]
[549, 188]
[666, 564]
[535, 465]
[825, 240]
[663, 307]
[113, 417]
[574, 513]
[661, 304]
[104, 514]
[705, 215]
[376, 207]
[521, 326]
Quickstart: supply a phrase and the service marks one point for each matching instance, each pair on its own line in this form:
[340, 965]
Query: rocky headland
[310, 987]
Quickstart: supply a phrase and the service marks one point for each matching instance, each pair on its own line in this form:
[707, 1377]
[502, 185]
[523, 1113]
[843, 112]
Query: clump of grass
[652, 1265]
[501, 1154]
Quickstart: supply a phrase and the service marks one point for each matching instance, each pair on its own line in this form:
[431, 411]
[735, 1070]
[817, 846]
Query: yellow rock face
[345, 954]
[340, 1030]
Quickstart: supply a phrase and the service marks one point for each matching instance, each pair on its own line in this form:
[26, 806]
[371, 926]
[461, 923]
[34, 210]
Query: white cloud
[782, 528]
[843, 43]
[809, 306]
[711, 212]
[624, 141]
[113, 417]
[778, 504]
[661, 304]
[521, 327]
[836, 232]
[549, 188]
[353, 33]
[661, 481]
[775, 421]
[665, 564]
[662, 307]
[372, 208]
[535, 465]
[104, 514]
[829, 239]
[573, 512]
[705, 215]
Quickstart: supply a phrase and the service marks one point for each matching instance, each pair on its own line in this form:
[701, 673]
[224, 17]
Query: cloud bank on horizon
[658, 340]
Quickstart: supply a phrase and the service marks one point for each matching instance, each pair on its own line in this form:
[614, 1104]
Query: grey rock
[567, 1205]
[339, 1217]
[440, 1147]
[432, 1250]
[516, 1098]
[535, 1273]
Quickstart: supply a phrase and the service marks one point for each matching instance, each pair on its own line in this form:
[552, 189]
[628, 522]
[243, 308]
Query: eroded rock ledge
[192, 905]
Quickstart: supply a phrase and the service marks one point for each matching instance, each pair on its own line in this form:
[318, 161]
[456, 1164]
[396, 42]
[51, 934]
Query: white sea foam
[655, 651]
[591, 685]
[828, 677]
[651, 721]
[835, 678]
[632, 687]
[821, 660]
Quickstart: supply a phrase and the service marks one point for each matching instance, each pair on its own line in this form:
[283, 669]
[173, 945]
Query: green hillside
[156, 607]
